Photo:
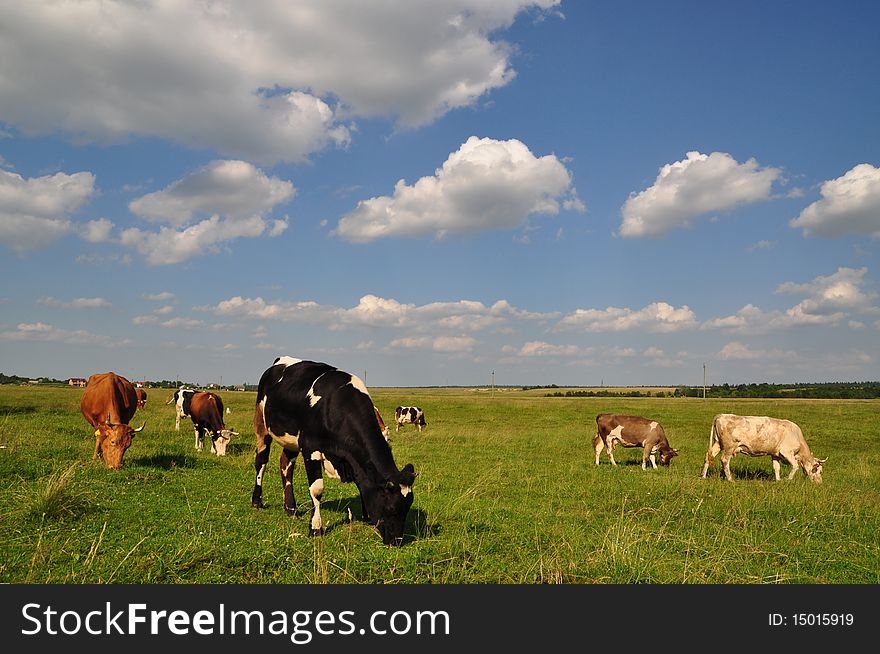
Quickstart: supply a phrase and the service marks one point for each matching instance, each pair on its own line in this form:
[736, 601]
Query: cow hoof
[257, 504]
[292, 512]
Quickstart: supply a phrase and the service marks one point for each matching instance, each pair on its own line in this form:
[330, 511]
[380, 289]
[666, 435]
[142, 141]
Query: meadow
[507, 493]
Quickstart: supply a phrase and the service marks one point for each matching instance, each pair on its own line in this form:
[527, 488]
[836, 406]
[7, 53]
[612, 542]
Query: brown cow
[632, 431]
[206, 412]
[381, 422]
[108, 404]
[141, 397]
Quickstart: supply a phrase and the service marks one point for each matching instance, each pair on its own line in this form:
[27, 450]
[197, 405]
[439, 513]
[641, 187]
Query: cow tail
[713, 436]
[260, 428]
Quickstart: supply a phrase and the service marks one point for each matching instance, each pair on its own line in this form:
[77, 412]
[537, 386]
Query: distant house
[76, 381]
[138, 384]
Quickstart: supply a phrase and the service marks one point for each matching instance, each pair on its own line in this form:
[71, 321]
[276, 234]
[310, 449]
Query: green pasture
[507, 493]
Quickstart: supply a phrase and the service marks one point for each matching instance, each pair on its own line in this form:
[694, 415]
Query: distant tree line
[808, 390]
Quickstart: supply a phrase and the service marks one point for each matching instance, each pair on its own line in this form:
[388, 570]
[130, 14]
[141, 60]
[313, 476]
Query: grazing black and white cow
[632, 431]
[182, 400]
[206, 412]
[411, 414]
[328, 415]
[781, 440]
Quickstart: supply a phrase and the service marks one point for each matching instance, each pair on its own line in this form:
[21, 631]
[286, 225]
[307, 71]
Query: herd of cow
[328, 416]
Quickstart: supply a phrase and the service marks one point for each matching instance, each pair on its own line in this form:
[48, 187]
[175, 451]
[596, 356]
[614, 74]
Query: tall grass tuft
[56, 496]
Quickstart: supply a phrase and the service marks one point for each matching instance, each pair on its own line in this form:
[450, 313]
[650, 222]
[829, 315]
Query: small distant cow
[381, 422]
[328, 415]
[782, 440]
[181, 399]
[632, 431]
[108, 404]
[206, 412]
[411, 414]
[141, 397]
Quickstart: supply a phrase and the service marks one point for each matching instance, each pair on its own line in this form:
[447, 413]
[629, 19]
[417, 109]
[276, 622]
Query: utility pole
[704, 381]
[493, 383]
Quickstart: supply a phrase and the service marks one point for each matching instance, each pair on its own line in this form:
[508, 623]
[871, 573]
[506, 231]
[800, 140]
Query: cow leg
[97, 447]
[776, 467]
[598, 445]
[288, 459]
[647, 454]
[610, 447]
[200, 438]
[213, 440]
[725, 463]
[261, 458]
[711, 453]
[315, 476]
[792, 460]
[177, 422]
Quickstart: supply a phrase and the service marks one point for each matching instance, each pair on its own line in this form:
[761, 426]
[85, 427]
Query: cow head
[813, 468]
[666, 455]
[218, 445]
[116, 440]
[389, 504]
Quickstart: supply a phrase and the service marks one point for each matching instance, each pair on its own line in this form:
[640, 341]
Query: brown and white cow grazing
[412, 414]
[328, 415]
[381, 422]
[206, 412]
[780, 439]
[141, 397]
[108, 404]
[632, 431]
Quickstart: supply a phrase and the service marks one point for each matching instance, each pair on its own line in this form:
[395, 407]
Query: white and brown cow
[181, 399]
[108, 405]
[328, 415]
[632, 431]
[206, 412]
[141, 397]
[781, 440]
[409, 414]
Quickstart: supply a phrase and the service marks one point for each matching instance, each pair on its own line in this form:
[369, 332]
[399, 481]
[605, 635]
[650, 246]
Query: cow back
[108, 394]
[206, 408]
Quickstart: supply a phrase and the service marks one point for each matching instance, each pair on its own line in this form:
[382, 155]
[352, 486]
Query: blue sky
[427, 192]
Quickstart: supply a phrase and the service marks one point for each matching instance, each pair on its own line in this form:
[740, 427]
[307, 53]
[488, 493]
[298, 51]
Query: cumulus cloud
[235, 189]
[849, 205]
[484, 185]
[267, 81]
[41, 331]
[656, 317]
[447, 344]
[736, 350]
[34, 212]
[695, 186]
[830, 300]
[76, 303]
[375, 311]
[97, 231]
[163, 296]
[202, 212]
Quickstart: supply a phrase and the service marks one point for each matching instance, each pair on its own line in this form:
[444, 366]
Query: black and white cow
[328, 415]
[182, 400]
[412, 414]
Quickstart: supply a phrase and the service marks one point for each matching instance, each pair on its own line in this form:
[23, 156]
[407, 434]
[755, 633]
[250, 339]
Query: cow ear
[408, 475]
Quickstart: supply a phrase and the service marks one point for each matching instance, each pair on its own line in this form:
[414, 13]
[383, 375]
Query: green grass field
[507, 493]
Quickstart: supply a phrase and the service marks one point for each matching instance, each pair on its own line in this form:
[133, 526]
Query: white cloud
[850, 205]
[34, 212]
[237, 190]
[234, 194]
[543, 349]
[760, 245]
[829, 300]
[484, 185]
[40, 331]
[447, 344]
[76, 303]
[373, 311]
[163, 296]
[735, 350]
[97, 231]
[247, 79]
[656, 317]
[695, 186]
